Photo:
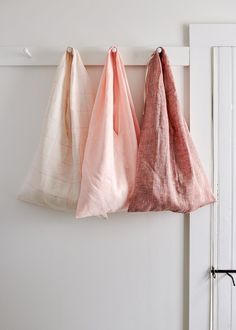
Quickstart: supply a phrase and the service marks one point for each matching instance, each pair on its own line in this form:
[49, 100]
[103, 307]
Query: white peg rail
[50, 56]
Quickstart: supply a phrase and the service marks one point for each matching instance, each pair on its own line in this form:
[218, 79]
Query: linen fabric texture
[109, 166]
[55, 176]
[169, 173]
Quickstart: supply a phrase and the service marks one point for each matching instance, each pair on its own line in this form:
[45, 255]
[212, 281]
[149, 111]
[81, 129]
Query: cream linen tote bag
[55, 175]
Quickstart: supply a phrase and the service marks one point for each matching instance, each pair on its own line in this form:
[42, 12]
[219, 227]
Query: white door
[224, 236]
[213, 119]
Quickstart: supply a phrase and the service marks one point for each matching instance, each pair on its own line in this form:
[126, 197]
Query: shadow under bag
[55, 175]
[108, 172]
[169, 173]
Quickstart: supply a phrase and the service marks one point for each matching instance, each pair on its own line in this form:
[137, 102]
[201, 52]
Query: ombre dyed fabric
[55, 176]
[169, 173]
[108, 172]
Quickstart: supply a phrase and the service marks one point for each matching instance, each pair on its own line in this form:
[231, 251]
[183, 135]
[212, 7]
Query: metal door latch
[223, 271]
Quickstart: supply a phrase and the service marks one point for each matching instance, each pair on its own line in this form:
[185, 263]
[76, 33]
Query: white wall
[104, 22]
[127, 273]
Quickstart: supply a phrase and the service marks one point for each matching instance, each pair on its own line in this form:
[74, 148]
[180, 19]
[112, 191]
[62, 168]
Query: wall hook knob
[27, 52]
[114, 49]
[69, 49]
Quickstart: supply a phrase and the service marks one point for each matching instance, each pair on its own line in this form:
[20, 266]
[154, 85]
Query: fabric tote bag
[54, 179]
[108, 171]
[169, 173]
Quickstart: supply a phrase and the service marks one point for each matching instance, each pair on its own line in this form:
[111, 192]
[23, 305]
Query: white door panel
[225, 220]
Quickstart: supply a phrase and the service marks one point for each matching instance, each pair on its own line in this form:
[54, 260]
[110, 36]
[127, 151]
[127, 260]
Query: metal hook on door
[223, 271]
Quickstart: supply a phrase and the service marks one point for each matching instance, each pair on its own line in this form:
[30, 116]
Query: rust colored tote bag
[169, 173]
[54, 179]
[108, 171]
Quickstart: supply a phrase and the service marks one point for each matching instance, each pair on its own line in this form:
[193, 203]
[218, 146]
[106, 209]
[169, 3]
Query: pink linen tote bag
[108, 172]
[169, 173]
[54, 179]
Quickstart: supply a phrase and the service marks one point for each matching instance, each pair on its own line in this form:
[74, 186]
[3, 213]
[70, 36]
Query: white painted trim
[201, 127]
[214, 260]
[50, 56]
